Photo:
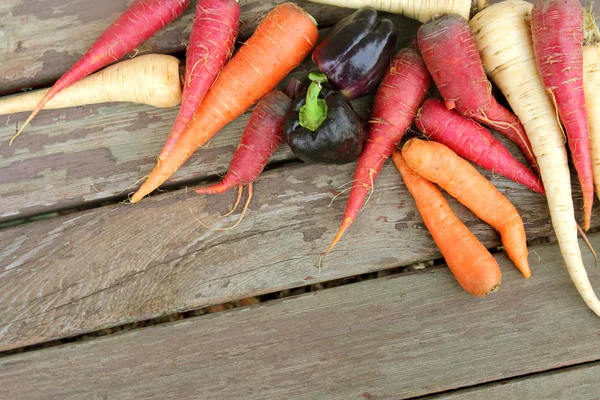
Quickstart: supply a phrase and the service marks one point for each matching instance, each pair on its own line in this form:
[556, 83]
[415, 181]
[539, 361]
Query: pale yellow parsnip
[503, 37]
[152, 79]
[421, 10]
[591, 87]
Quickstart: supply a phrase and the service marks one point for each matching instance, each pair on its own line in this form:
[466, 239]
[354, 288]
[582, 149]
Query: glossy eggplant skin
[356, 52]
[339, 139]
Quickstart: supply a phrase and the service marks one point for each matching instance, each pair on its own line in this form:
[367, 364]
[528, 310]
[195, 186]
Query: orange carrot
[281, 41]
[438, 164]
[473, 266]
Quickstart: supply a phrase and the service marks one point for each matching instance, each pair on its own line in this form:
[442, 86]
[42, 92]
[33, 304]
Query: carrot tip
[345, 225]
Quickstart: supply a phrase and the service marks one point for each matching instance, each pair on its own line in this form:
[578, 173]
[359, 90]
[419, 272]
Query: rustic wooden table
[79, 259]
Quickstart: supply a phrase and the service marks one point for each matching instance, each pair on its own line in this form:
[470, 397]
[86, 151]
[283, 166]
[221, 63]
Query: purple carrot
[211, 43]
[451, 55]
[557, 33]
[473, 142]
[140, 21]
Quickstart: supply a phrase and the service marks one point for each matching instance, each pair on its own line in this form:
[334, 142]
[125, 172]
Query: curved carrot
[557, 33]
[438, 164]
[140, 21]
[470, 262]
[211, 43]
[450, 53]
[263, 134]
[401, 92]
[281, 41]
[472, 141]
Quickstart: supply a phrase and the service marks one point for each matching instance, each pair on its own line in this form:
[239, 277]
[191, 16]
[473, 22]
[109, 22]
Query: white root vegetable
[421, 10]
[591, 87]
[503, 36]
[152, 79]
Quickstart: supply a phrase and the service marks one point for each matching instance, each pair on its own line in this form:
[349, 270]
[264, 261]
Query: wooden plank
[120, 263]
[40, 40]
[410, 335]
[579, 382]
[74, 156]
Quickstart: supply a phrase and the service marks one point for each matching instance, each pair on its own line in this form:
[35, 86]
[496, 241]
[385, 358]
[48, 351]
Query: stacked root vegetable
[534, 53]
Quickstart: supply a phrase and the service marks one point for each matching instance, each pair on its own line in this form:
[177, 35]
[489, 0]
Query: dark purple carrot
[211, 43]
[401, 92]
[472, 141]
[140, 21]
[557, 33]
[263, 134]
[451, 55]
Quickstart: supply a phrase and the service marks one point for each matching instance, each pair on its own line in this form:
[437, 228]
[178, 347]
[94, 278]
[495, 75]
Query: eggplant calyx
[314, 112]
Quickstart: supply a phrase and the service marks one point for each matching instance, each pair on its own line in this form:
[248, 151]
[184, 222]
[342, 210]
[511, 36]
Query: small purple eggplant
[356, 52]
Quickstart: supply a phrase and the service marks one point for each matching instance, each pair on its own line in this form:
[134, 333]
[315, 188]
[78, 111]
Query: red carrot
[263, 134]
[473, 142]
[281, 41]
[401, 92]
[557, 33]
[140, 21]
[211, 43]
[451, 55]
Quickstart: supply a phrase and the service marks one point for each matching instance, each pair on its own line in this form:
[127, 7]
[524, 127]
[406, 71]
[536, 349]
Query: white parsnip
[421, 10]
[152, 79]
[503, 36]
[591, 87]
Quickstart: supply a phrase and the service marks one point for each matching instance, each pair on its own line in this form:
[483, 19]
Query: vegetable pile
[535, 54]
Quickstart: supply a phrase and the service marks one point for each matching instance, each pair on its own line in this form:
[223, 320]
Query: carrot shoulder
[281, 41]
[438, 164]
[470, 262]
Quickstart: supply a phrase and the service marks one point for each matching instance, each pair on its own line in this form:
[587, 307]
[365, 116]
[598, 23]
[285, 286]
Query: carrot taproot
[153, 79]
[439, 164]
[557, 33]
[503, 35]
[421, 10]
[451, 56]
[281, 41]
[211, 42]
[399, 96]
[474, 268]
[591, 88]
[472, 141]
[135, 25]
[262, 136]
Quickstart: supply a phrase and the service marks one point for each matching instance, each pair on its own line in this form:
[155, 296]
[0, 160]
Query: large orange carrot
[439, 164]
[401, 92]
[281, 41]
[473, 266]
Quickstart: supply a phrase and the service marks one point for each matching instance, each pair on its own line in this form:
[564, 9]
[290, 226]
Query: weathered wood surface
[579, 382]
[40, 40]
[120, 263]
[410, 335]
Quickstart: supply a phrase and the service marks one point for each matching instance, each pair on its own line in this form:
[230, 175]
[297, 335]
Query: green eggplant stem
[314, 112]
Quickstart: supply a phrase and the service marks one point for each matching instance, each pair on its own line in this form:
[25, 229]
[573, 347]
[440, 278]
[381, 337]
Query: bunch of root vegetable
[534, 53]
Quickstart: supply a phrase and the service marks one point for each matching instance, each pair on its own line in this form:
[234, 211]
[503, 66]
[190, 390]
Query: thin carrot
[141, 20]
[401, 92]
[213, 34]
[470, 262]
[438, 164]
[281, 41]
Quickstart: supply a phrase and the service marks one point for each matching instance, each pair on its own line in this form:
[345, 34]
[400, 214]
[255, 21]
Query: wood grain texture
[40, 40]
[120, 263]
[578, 382]
[410, 335]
